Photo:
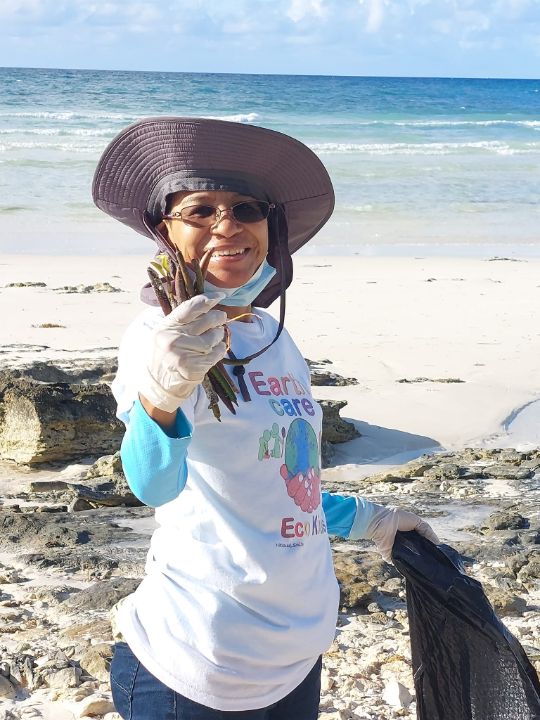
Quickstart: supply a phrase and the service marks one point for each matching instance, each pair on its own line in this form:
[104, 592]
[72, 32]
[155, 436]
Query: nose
[225, 223]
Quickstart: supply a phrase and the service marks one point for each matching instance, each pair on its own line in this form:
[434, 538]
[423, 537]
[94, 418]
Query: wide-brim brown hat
[155, 157]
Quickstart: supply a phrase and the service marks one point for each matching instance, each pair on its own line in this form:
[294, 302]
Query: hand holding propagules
[184, 346]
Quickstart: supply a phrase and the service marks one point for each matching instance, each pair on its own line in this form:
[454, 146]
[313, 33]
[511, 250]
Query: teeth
[221, 253]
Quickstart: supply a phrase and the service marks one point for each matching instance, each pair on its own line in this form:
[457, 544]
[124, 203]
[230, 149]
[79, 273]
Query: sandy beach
[445, 351]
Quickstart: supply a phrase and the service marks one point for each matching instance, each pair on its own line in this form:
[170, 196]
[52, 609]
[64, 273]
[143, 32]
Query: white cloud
[299, 9]
[240, 26]
[413, 4]
[442, 26]
[29, 10]
[20, 8]
[473, 21]
[139, 14]
[514, 8]
[375, 14]
[36, 14]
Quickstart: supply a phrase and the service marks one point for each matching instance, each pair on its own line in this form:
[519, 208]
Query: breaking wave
[435, 148]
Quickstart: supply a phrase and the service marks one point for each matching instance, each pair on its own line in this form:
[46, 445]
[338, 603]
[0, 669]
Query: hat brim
[158, 156]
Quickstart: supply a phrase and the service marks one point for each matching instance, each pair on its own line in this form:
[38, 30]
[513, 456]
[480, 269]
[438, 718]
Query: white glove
[386, 521]
[184, 346]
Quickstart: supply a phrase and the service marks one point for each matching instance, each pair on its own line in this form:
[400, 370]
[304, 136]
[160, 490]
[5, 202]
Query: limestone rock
[84, 632]
[56, 421]
[105, 494]
[359, 577]
[355, 590]
[66, 369]
[397, 695]
[95, 705]
[505, 602]
[102, 595]
[105, 485]
[63, 678]
[96, 661]
[508, 472]
[106, 466]
[85, 289]
[7, 690]
[22, 671]
[529, 575]
[444, 471]
[48, 486]
[335, 429]
[79, 504]
[531, 569]
[321, 376]
[416, 468]
[74, 694]
[37, 531]
[507, 520]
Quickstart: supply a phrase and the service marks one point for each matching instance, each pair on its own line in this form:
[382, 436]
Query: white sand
[377, 319]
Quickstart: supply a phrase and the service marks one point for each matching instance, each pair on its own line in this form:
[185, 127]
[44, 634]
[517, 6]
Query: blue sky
[462, 38]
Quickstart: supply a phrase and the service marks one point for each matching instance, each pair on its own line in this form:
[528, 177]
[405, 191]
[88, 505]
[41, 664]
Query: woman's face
[248, 242]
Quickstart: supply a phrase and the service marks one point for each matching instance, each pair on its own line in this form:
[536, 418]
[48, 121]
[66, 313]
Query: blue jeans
[138, 695]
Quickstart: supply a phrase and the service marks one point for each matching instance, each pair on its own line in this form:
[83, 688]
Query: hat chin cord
[164, 244]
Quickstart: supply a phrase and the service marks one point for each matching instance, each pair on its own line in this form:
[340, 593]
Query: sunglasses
[247, 211]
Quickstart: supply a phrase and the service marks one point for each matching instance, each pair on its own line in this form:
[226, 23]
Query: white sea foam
[70, 115]
[241, 117]
[436, 148]
[30, 131]
[85, 132]
[41, 115]
[124, 117]
[63, 147]
[359, 208]
[439, 123]
[466, 123]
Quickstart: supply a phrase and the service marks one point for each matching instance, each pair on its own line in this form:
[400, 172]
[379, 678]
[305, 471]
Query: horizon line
[267, 74]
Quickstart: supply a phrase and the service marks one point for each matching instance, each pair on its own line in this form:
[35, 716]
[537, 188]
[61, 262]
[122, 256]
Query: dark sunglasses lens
[250, 212]
[196, 213]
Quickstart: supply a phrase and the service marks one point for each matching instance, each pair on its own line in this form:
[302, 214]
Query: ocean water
[418, 165]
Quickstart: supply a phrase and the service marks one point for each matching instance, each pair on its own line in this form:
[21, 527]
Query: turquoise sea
[418, 164]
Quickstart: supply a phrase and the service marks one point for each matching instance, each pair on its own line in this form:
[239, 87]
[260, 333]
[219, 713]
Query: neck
[234, 312]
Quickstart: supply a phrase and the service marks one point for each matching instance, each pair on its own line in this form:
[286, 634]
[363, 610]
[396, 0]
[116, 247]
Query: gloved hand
[386, 521]
[184, 346]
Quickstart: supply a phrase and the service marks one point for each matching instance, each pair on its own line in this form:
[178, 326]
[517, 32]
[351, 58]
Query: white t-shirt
[239, 597]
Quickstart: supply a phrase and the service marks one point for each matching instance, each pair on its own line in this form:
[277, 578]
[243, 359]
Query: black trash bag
[466, 664]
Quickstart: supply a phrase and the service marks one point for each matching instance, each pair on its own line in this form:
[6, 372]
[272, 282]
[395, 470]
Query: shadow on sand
[382, 446]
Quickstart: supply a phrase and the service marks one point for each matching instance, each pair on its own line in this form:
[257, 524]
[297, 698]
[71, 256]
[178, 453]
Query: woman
[239, 599]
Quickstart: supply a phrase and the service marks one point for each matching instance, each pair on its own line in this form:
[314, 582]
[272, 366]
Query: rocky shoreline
[64, 567]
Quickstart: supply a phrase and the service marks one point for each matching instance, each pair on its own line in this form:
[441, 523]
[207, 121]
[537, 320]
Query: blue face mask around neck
[246, 294]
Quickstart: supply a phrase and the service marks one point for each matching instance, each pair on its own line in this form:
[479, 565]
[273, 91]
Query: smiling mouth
[230, 252]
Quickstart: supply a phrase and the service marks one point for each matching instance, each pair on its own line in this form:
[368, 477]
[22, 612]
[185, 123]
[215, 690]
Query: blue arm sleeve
[348, 516]
[155, 461]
